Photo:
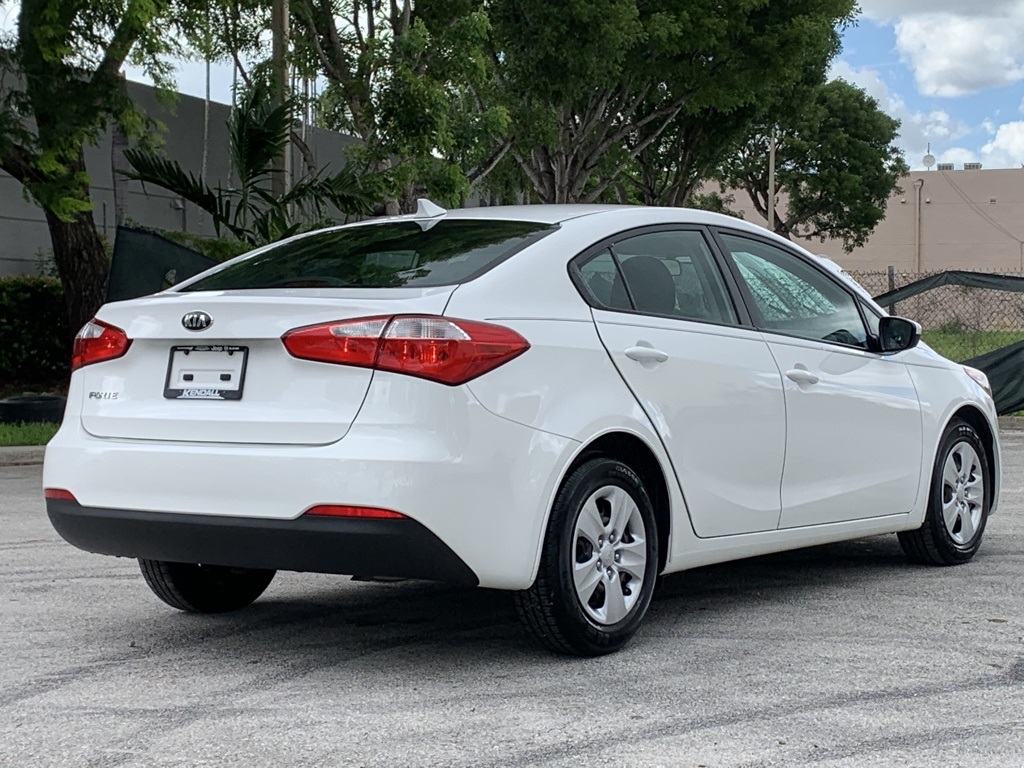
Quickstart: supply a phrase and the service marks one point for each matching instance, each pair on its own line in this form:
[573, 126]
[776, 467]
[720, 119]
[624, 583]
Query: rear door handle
[802, 376]
[646, 355]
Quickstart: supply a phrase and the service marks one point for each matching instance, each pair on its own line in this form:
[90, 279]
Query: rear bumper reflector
[59, 493]
[321, 544]
[366, 513]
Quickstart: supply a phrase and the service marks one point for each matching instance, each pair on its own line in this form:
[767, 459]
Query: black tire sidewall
[957, 432]
[579, 629]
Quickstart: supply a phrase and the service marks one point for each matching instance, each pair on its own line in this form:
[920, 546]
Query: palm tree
[258, 132]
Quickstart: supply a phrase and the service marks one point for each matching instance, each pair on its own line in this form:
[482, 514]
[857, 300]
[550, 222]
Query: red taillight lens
[59, 493]
[340, 510]
[436, 348]
[96, 342]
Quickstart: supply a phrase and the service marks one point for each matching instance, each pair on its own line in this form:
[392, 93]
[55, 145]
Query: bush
[36, 345]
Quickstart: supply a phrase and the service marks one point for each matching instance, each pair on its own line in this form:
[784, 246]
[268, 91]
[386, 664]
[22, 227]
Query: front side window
[792, 297]
[389, 255]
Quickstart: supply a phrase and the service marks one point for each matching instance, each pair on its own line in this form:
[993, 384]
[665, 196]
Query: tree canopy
[582, 100]
[836, 163]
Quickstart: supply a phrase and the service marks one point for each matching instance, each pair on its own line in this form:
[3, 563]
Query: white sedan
[560, 401]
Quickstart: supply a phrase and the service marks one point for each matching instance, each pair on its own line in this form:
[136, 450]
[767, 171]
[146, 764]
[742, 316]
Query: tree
[836, 164]
[63, 68]
[258, 133]
[605, 80]
[407, 82]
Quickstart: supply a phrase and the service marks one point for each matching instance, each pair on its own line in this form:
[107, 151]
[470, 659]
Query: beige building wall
[972, 220]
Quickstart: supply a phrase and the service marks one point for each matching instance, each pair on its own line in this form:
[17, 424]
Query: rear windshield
[389, 255]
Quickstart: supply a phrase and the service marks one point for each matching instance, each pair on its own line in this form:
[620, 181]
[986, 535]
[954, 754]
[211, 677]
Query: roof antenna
[429, 212]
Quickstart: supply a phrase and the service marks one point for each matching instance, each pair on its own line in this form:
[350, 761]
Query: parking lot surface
[841, 655]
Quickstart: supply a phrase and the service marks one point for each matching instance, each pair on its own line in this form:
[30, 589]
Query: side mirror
[896, 334]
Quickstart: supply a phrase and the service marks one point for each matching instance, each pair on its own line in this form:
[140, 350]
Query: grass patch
[963, 345]
[27, 434]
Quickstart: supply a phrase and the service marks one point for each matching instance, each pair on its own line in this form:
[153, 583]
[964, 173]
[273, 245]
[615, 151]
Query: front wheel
[958, 504]
[204, 588]
[598, 565]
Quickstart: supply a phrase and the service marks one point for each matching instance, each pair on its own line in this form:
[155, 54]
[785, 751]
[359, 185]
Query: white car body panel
[480, 464]
[727, 436]
[867, 464]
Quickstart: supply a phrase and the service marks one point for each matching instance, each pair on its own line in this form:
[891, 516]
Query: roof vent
[945, 166]
[972, 166]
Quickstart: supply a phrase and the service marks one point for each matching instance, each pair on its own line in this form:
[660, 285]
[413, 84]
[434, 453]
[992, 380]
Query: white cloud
[918, 129]
[1006, 150]
[958, 156]
[955, 55]
[882, 10]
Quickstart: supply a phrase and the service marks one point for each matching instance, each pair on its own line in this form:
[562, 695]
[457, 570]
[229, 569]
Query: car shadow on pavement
[331, 618]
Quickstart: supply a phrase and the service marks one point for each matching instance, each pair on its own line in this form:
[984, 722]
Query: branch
[530, 171]
[18, 163]
[330, 68]
[306, 152]
[479, 173]
[125, 36]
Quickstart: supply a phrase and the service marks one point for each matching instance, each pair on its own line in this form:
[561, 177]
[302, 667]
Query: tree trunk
[82, 265]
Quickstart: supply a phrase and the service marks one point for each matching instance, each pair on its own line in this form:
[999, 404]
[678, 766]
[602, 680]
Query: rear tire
[598, 564]
[204, 588]
[958, 503]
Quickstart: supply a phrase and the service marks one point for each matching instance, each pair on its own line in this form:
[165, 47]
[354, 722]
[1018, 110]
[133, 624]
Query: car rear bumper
[480, 483]
[366, 547]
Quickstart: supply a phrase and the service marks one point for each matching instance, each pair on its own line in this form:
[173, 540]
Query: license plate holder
[206, 372]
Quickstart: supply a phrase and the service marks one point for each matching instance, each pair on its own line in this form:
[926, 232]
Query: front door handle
[802, 376]
[646, 354]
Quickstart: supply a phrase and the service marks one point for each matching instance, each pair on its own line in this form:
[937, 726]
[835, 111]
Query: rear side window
[391, 255]
[669, 273]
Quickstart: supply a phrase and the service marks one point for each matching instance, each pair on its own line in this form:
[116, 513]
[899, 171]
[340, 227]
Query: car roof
[561, 212]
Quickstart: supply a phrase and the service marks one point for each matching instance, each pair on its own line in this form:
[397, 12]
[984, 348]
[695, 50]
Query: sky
[952, 71]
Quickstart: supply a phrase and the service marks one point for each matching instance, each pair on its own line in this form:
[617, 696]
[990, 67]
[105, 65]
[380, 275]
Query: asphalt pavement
[841, 655]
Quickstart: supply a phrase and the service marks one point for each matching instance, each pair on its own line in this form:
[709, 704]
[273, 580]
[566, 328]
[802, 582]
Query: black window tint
[673, 273]
[791, 296]
[600, 276]
[391, 255]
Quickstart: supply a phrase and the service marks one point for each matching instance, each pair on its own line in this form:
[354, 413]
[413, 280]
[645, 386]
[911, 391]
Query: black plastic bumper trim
[366, 547]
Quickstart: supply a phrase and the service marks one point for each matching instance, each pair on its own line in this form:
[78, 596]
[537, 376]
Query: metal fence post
[891, 272]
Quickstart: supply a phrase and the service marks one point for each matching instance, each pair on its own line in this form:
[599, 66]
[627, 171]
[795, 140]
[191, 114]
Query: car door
[709, 385]
[854, 430]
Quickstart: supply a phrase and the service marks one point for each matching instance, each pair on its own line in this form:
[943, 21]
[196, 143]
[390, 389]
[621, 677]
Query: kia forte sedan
[559, 401]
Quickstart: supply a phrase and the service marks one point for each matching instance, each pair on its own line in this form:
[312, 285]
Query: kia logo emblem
[197, 321]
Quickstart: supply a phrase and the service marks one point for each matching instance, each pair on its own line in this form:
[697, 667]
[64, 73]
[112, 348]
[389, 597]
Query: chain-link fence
[960, 322]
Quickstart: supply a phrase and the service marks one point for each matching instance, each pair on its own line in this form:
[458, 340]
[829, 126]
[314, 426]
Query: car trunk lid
[234, 381]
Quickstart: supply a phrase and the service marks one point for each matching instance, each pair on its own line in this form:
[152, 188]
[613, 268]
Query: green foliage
[34, 327]
[716, 202]
[836, 164]
[70, 55]
[217, 248]
[258, 132]
[69, 90]
[35, 433]
[654, 90]
[958, 343]
[413, 85]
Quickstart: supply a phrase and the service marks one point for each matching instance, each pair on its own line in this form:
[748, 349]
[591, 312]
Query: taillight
[437, 348]
[96, 342]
